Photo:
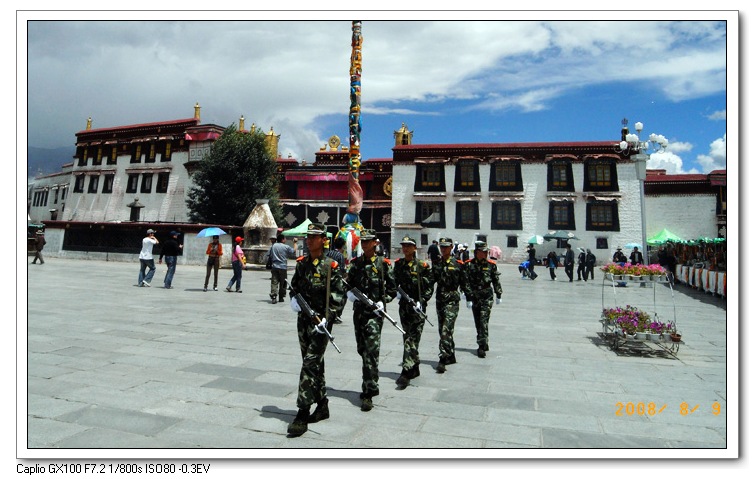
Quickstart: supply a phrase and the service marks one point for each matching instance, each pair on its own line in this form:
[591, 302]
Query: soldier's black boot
[413, 372]
[321, 411]
[451, 359]
[480, 352]
[441, 368]
[403, 381]
[366, 404]
[299, 426]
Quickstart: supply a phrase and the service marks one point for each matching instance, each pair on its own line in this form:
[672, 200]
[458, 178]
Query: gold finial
[254, 128]
[403, 136]
[89, 123]
[196, 111]
[241, 123]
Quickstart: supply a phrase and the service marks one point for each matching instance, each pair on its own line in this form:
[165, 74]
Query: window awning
[562, 198]
[603, 198]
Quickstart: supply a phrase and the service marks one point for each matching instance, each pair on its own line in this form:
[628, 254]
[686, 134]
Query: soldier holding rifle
[450, 276]
[415, 284]
[482, 274]
[318, 281]
[372, 275]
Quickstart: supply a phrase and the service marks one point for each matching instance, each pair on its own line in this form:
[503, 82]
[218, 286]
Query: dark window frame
[591, 181]
[78, 185]
[498, 224]
[568, 182]
[419, 215]
[461, 181]
[132, 185]
[94, 183]
[163, 180]
[146, 183]
[107, 184]
[474, 224]
[569, 223]
[423, 183]
[494, 180]
[613, 212]
[136, 153]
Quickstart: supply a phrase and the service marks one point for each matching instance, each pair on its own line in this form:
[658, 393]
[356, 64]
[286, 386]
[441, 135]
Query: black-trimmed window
[146, 183]
[107, 185]
[162, 182]
[166, 150]
[560, 176]
[78, 186]
[112, 158]
[600, 175]
[152, 153]
[512, 242]
[136, 153]
[430, 214]
[467, 215]
[430, 177]
[601, 243]
[94, 182]
[467, 176]
[97, 161]
[133, 182]
[507, 215]
[82, 152]
[602, 216]
[506, 176]
[561, 215]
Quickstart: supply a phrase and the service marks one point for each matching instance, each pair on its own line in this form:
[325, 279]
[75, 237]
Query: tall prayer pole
[352, 225]
[355, 120]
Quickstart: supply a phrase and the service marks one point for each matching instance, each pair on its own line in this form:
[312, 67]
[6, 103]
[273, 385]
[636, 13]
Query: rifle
[414, 304]
[310, 313]
[367, 301]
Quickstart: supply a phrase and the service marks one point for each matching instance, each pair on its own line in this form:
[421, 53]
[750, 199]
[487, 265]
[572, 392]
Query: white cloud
[716, 157]
[668, 161]
[717, 115]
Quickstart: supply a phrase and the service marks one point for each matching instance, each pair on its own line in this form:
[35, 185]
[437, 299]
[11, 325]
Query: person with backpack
[589, 265]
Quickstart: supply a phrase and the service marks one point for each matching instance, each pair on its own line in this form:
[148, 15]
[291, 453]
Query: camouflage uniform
[310, 280]
[482, 275]
[415, 278]
[373, 277]
[450, 276]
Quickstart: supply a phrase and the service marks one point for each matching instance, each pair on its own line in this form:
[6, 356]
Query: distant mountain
[44, 161]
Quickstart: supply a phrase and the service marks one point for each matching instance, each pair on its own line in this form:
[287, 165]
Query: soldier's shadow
[351, 396]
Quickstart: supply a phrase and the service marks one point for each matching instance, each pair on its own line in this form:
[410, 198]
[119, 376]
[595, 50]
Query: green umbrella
[664, 236]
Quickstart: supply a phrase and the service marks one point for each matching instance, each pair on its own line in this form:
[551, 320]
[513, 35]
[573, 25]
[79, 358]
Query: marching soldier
[450, 276]
[318, 280]
[373, 276]
[482, 274]
[414, 277]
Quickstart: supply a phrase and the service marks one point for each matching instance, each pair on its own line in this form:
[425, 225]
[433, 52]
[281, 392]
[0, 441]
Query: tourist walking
[214, 253]
[581, 264]
[415, 279]
[373, 276]
[552, 260]
[450, 278]
[237, 259]
[483, 281]
[531, 261]
[280, 253]
[39, 245]
[589, 265]
[320, 284]
[569, 263]
[170, 251]
[146, 260]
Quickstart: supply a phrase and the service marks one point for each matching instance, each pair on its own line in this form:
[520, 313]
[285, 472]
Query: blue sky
[500, 81]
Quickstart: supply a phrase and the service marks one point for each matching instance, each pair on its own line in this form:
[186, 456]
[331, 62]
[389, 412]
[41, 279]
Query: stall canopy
[300, 230]
[663, 237]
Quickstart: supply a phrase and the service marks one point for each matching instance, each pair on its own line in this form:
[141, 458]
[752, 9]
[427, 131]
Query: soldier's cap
[367, 235]
[408, 240]
[174, 233]
[481, 245]
[316, 229]
[446, 241]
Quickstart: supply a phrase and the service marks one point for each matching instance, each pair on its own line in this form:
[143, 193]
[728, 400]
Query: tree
[237, 171]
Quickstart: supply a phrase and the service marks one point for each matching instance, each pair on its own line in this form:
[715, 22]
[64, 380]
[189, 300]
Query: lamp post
[636, 149]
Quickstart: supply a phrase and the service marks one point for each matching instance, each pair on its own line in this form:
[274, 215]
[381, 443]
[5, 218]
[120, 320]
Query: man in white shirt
[146, 259]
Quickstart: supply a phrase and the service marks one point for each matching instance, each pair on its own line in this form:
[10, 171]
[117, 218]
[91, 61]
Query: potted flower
[656, 271]
[629, 319]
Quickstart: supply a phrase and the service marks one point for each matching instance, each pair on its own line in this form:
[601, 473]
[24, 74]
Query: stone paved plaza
[140, 370]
